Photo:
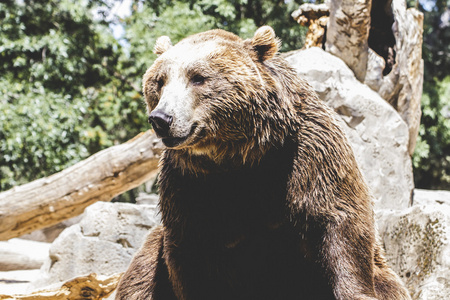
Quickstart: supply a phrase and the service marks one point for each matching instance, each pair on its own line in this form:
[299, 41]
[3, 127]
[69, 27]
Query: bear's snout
[161, 123]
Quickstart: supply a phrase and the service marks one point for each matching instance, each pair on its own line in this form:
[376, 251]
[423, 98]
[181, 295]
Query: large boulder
[376, 131]
[103, 242]
[49, 234]
[417, 244]
[16, 282]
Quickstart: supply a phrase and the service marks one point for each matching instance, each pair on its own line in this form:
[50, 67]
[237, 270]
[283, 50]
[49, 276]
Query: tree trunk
[348, 33]
[402, 87]
[101, 177]
[381, 42]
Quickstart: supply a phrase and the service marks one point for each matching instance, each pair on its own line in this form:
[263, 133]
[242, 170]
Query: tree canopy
[59, 98]
[69, 87]
[432, 155]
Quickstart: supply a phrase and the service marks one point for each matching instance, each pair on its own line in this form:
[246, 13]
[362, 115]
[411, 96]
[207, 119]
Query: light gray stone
[431, 197]
[16, 282]
[375, 67]
[376, 131]
[103, 242]
[18, 254]
[148, 199]
[49, 234]
[416, 240]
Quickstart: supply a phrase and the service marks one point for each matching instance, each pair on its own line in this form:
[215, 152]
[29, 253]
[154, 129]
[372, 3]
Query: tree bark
[101, 177]
[348, 33]
[402, 87]
[381, 42]
[315, 16]
[85, 287]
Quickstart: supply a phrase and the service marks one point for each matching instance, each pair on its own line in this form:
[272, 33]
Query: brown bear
[261, 196]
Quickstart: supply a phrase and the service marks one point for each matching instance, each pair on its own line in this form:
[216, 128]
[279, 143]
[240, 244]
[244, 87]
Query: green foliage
[145, 25]
[60, 93]
[178, 19]
[39, 131]
[432, 154]
[69, 88]
[243, 17]
[56, 44]
[436, 46]
[431, 159]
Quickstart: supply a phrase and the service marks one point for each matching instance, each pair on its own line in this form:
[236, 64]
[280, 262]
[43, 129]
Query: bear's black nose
[160, 122]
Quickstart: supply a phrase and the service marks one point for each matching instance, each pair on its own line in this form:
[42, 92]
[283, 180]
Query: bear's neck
[227, 202]
[220, 158]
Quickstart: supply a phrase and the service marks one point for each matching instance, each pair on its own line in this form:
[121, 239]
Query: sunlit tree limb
[101, 177]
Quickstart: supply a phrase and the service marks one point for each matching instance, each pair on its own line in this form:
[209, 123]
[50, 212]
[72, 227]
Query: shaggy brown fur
[263, 199]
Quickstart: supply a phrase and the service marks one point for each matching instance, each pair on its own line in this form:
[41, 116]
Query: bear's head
[215, 94]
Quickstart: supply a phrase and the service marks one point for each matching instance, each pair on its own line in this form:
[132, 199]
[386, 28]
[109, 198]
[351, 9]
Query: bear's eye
[160, 83]
[198, 80]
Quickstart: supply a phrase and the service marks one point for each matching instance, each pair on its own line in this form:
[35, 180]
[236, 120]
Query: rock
[431, 197]
[417, 244]
[148, 199]
[103, 242]
[377, 133]
[17, 282]
[18, 254]
[49, 234]
[375, 67]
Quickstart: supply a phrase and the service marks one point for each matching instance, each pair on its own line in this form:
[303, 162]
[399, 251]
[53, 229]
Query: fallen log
[90, 287]
[101, 177]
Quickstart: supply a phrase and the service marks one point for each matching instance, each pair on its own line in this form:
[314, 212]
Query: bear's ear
[163, 44]
[265, 43]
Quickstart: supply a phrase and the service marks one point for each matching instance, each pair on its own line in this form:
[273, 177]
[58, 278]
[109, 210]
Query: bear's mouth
[173, 142]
